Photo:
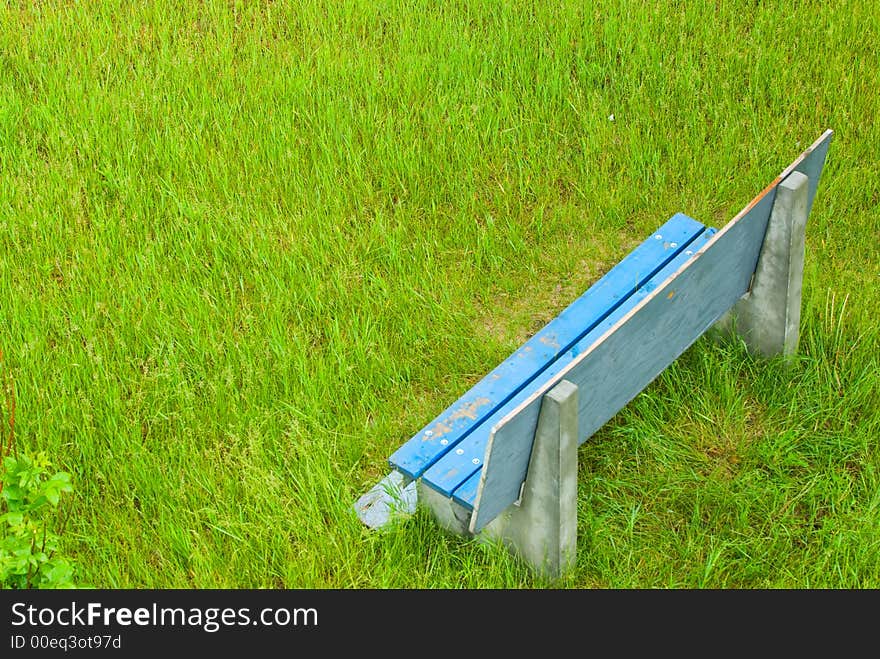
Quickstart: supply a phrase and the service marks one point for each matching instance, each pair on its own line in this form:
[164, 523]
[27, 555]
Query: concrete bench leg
[542, 527]
[768, 316]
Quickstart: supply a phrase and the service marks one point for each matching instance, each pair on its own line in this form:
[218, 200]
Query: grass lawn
[247, 249]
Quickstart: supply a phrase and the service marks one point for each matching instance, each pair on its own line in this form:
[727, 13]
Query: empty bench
[501, 460]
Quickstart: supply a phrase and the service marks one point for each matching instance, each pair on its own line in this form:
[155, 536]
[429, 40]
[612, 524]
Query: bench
[501, 461]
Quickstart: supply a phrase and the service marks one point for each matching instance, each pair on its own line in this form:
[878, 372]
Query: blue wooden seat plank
[457, 473]
[455, 423]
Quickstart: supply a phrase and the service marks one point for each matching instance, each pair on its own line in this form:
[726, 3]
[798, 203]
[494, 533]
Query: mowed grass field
[247, 249]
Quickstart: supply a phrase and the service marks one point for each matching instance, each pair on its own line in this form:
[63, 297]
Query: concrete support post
[542, 529]
[448, 514]
[768, 316]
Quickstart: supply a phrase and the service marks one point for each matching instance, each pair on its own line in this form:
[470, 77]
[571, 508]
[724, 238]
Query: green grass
[248, 249]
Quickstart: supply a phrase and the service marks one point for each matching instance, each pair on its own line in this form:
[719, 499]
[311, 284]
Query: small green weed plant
[31, 519]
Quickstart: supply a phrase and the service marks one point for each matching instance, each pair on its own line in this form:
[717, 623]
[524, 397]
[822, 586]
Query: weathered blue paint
[453, 474]
[454, 424]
